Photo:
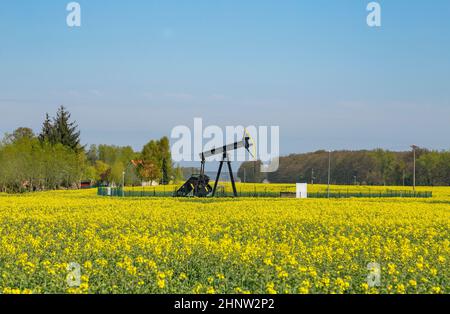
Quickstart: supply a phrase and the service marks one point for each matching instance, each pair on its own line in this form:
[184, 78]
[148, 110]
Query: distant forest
[374, 167]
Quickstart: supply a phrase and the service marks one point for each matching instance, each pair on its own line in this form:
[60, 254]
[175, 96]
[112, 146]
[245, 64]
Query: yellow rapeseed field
[261, 245]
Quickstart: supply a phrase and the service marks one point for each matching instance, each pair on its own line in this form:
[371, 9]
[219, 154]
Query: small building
[86, 184]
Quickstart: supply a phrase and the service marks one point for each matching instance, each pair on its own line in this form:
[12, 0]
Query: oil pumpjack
[198, 184]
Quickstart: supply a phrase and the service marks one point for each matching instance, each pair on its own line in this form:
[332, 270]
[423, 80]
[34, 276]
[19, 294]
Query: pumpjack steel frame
[226, 159]
[199, 185]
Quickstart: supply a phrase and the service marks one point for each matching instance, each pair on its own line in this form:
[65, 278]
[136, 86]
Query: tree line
[55, 159]
[366, 167]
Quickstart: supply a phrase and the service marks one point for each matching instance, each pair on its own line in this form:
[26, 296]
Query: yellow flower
[183, 276]
[161, 275]
[391, 269]
[400, 288]
[132, 270]
[270, 288]
[140, 260]
[303, 290]
[268, 261]
[436, 289]
[230, 245]
[161, 283]
[302, 269]
[283, 274]
[151, 264]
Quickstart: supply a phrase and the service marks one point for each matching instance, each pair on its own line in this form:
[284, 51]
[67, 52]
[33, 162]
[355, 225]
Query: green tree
[102, 171]
[26, 164]
[90, 173]
[18, 135]
[47, 132]
[150, 168]
[385, 163]
[147, 171]
[166, 160]
[23, 133]
[429, 168]
[65, 131]
[117, 173]
[92, 154]
[178, 175]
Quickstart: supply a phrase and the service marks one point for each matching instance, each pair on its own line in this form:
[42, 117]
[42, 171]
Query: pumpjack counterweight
[198, 185]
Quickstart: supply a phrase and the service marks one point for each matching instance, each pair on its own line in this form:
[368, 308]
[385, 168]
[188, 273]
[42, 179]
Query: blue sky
[136, 69]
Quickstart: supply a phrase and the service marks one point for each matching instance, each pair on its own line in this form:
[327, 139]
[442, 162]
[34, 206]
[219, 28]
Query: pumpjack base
[196, 185]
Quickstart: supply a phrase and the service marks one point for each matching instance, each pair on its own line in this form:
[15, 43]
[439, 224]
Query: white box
[302, 190]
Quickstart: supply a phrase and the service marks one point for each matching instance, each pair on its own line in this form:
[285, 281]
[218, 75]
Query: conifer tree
[47, 134]
[65, 131]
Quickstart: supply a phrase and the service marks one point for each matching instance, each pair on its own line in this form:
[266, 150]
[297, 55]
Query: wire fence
[381, 194]
[148, 192]
[266, 193]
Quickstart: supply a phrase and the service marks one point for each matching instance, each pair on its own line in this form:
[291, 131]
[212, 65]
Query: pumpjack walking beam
[198, 185]
[244, 143]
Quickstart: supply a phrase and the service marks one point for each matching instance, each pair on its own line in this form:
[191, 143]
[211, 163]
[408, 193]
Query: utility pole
[329, 173]
[312, 176]
[123, 183]
[123, 176]
[414, 147]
